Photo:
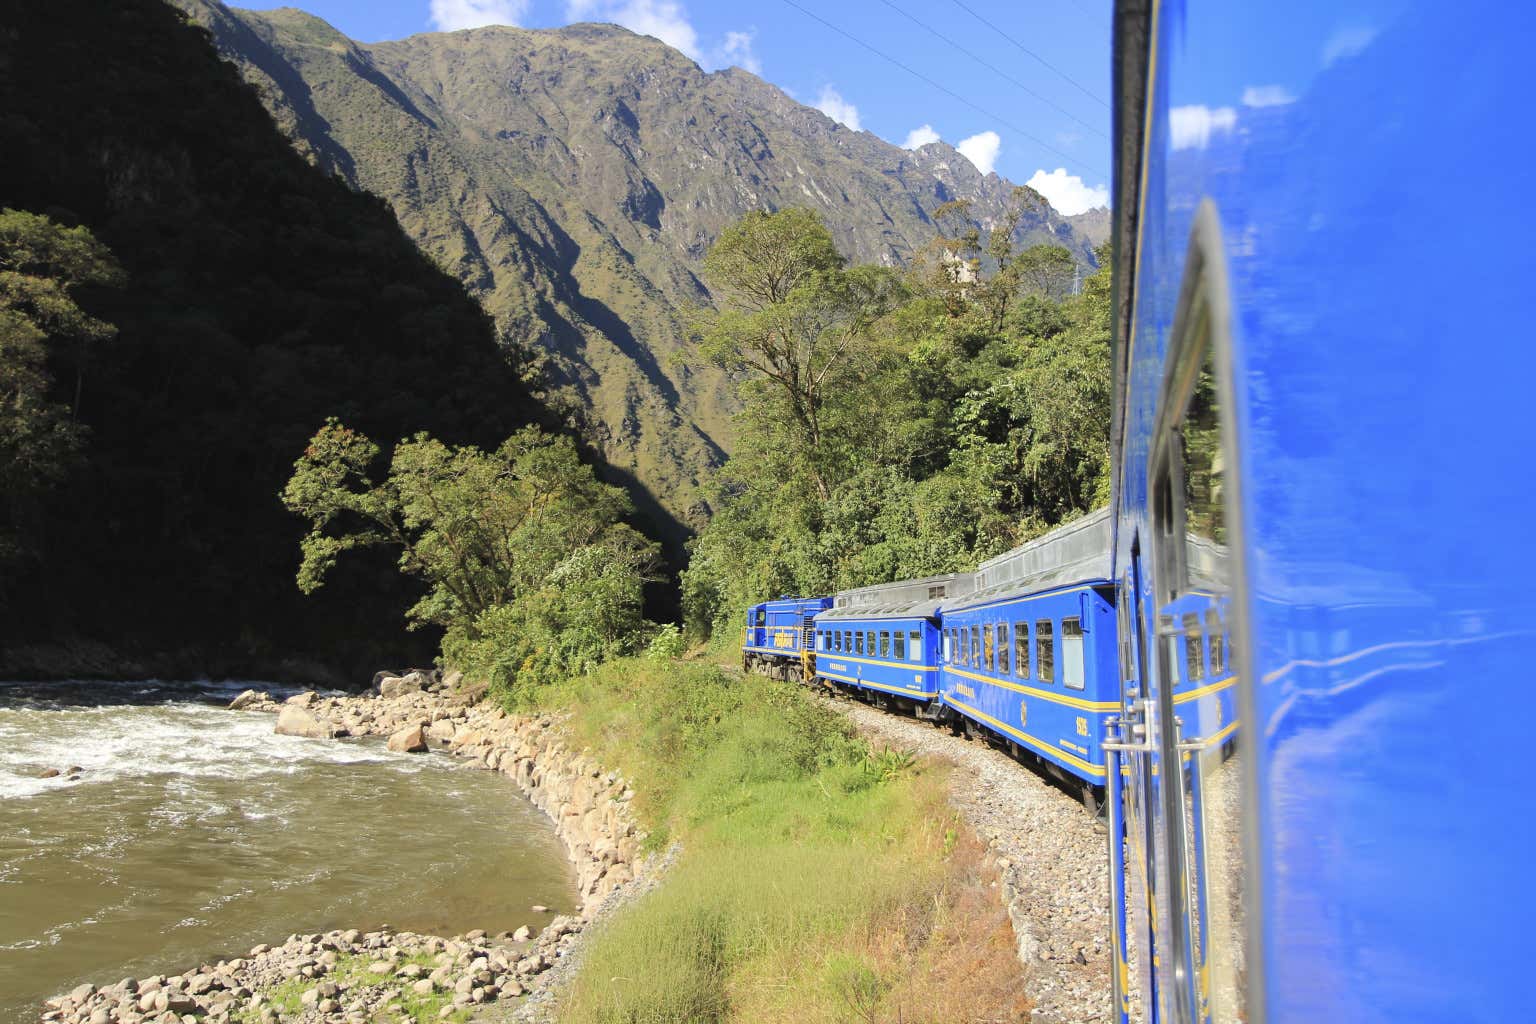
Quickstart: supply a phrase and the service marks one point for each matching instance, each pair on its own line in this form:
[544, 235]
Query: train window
[1045, 650]
[934, 593]
[837, 640]
[1214, 637]
[1021, 649]
[885, 643]
[1002, 648]
[1194, 648]
[1072, 653]
[762, 616]
[976, 661]
[899, 639]
[989, 649]
[915, 644]
[858, 642]
[1192, 506]
[869, 643]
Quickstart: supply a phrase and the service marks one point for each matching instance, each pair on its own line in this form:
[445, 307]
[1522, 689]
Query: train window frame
[899, 645]
[976, 661]
[988, 648]
[915, 644]
[1194, 647]
[1201, 338]
[1215, 639]
[1045, 650]
[1079, 643]
[858, 641]
[885, 643]
[1021, 648]
[1001, 644]
[869, 643]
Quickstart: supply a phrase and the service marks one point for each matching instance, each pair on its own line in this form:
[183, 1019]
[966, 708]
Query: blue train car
[884, 639]
[778, 639]
[1322, 461]
[1031, 653]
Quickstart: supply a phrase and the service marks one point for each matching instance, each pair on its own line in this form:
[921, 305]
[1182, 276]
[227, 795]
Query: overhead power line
[1086, 91]
[947, 91]
[995, 69]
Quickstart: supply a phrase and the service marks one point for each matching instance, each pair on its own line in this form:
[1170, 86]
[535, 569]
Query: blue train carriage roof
[1075, 553]
[904, 599]
[780, 604]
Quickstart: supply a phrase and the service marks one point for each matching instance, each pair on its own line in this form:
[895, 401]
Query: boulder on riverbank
[296, 721]
[249, 698]
[411, 682]
[410, 740]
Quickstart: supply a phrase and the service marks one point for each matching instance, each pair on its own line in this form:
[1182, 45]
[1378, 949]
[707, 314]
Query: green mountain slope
[573, 179]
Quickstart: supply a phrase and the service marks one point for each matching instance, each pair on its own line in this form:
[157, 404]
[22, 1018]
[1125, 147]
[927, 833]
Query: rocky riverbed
[347, 977]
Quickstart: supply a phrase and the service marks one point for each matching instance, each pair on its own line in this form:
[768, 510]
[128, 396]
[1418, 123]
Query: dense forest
[895, 424]
[183, 302]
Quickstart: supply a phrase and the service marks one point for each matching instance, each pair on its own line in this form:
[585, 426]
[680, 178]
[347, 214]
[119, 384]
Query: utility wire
[960, 4]
[995, 69]
[946, 90]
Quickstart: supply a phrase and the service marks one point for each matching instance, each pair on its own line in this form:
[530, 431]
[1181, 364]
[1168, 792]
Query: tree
[42, 267]
[793, 316]
[524, 536]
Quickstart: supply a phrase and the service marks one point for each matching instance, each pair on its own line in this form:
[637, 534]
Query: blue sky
[1019, 87]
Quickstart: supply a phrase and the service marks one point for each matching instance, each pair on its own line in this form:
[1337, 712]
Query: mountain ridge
[573, 179]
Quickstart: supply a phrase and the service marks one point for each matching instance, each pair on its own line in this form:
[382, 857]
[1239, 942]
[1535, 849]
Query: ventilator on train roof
[905, 599]
[1078, 552]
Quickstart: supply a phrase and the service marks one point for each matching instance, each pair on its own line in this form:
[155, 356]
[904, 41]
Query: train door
[1200, 830]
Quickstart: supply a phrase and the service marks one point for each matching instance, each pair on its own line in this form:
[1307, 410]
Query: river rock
[523, 934]
[247, 698]
[48, 773]
[301, 700]
[409, 740]
[295, 721]
[441, 732]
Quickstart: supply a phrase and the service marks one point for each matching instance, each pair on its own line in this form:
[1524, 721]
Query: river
[194, 833]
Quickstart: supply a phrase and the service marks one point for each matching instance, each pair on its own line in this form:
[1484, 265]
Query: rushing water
[194, 833]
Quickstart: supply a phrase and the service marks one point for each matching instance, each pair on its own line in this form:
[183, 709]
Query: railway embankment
[1048, 852]
[352, 975]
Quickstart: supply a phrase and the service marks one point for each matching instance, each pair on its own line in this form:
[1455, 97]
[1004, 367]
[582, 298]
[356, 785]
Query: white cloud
[668, 21]
[662, 19]
[451, 15]
[1267, 96]
[1347, 42]
[1067, 192]
[737, 50]
[920, 137]
[1192, 127]
[981, 150]
[831, 103]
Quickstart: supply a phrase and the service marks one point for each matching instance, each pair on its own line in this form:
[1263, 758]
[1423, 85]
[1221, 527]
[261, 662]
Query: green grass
[351, 969]
[818, 880]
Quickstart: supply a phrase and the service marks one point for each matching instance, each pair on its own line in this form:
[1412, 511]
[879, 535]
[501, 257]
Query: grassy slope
[819, 880]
